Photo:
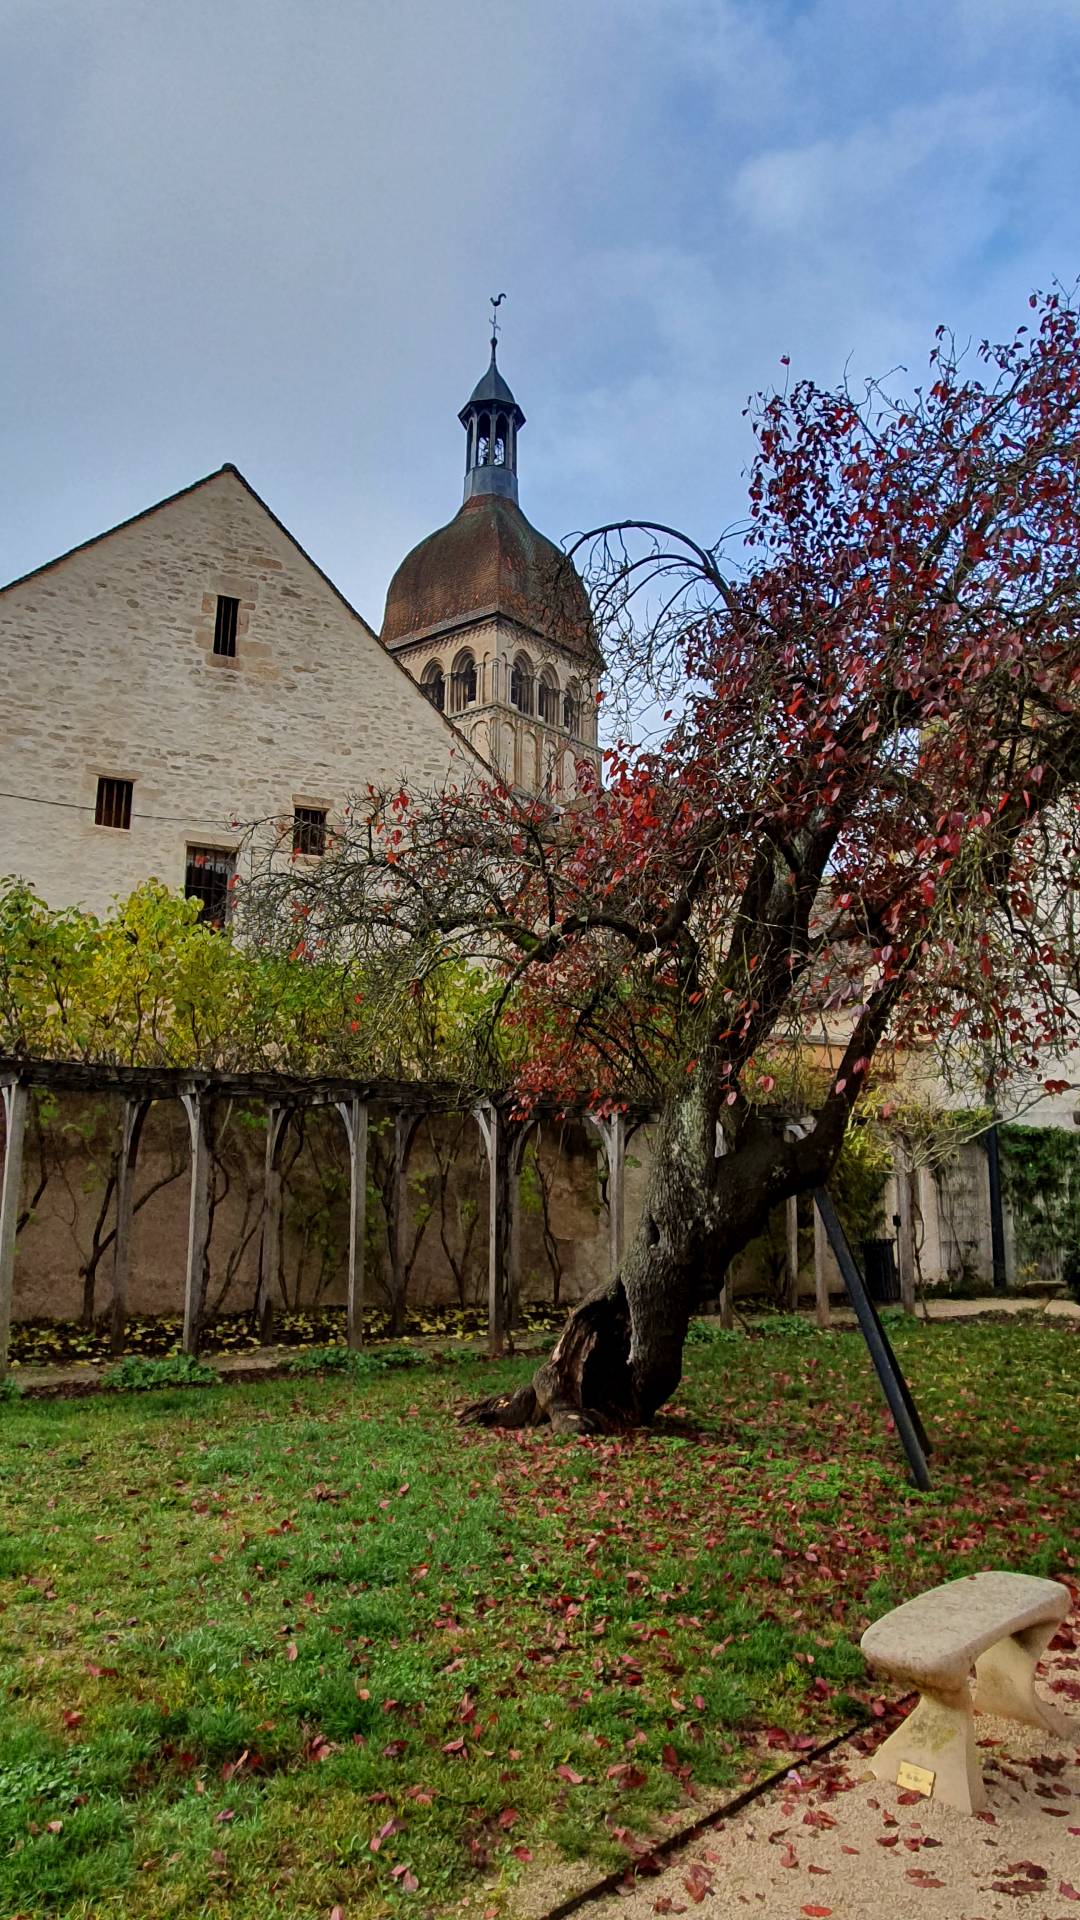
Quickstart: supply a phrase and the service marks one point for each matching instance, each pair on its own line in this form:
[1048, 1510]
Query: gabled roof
[234, 473]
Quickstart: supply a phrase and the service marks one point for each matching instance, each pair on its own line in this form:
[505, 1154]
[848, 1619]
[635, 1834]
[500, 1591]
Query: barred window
[113, 805]
[225, 626]
[207, 878]
[309, 830]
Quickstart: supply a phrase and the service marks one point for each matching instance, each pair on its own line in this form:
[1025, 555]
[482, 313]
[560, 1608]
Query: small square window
[208, 877]
[225, 626]
[113, 805]
[309, 830]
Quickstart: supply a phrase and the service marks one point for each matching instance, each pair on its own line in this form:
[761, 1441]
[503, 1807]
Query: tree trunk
[619, 1357]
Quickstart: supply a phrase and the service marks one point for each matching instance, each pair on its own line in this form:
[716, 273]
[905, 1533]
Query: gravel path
[831, 1840]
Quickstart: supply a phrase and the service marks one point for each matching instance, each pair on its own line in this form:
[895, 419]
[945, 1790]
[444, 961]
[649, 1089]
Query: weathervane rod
[496, 303]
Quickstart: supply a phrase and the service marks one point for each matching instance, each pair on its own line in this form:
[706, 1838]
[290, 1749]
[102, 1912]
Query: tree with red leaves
[863, 817]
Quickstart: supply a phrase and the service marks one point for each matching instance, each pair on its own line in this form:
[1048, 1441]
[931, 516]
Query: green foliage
[360, 1364]
[151, 984]
[709, 1333]
[857, 1182]
[137, 1375]
[1040, 1177]
[9, 1390]
[785, 1326]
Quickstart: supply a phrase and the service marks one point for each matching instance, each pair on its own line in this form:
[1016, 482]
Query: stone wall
[564, 1219]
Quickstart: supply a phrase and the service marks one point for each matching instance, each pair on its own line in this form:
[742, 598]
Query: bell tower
[492, 421]
[492, 619]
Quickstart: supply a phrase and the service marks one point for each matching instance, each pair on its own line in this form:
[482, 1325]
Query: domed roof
[489, 560]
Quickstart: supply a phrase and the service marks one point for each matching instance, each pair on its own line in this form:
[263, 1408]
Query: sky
[266, 231]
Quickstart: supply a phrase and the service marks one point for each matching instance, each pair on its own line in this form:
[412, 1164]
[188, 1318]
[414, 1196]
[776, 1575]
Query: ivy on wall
[1040, 1178]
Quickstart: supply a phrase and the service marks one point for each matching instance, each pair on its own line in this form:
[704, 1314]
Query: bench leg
[939, 1734]
[1005, 1682]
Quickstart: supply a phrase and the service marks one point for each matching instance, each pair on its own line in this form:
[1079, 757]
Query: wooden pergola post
[513, 1241]
[131, 1126]
[494, 1132]
[354, 1114]
[16, 1102]
[195, 1106]
[277, 1119]
[821, 1278]
[406, 1123]
[905, 1232]
[791, 1221]
[612, 1132]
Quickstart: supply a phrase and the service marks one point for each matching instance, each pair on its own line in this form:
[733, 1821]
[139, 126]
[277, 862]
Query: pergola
[504, 1132]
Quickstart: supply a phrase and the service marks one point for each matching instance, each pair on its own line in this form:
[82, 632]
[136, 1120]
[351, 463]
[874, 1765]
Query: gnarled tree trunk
[619, 1357]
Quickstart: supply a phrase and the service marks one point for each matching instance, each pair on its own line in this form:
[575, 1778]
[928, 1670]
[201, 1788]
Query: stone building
[179, 677]
[193, 672]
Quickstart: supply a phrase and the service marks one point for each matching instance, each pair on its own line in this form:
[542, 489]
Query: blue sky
[264, 232]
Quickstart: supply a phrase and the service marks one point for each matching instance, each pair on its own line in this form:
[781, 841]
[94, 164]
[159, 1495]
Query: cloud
[267, 233]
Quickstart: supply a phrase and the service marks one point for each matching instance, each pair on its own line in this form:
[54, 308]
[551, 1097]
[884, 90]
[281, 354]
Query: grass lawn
[270, 1650]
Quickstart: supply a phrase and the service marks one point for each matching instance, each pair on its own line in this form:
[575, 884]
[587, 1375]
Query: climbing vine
[1040, 1176]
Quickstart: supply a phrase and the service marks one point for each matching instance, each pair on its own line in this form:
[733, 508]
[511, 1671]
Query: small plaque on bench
[916, 1779]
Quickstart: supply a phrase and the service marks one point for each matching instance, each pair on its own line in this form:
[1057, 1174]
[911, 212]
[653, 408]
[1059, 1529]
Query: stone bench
[995, 1623]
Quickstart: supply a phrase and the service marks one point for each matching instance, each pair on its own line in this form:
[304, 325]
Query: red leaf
[567, 1773]
[819, 1913]
[698, 1882]
[1067, 1890]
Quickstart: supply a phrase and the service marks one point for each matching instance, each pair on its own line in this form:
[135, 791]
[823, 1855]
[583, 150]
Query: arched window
[498, 457]
[433, 684]
[571, 710]
[548, 697]
[521, 684]
[483, 445]
[463, 683]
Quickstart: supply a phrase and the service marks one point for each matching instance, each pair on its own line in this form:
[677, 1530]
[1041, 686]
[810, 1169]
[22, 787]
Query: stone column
[16, 1103]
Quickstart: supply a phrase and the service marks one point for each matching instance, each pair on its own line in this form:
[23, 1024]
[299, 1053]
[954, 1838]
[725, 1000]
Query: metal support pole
[16, 1102]
[277, 1119]
[198, 1217]
[354, 1113]
[997, 1215]
[493, 1130]
[896, 1390]
[131, 1126]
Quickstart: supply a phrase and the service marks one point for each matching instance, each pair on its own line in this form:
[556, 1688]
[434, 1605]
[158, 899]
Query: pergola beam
[16, 1100]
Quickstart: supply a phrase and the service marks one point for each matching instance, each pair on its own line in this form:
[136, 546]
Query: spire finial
[496, 303]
